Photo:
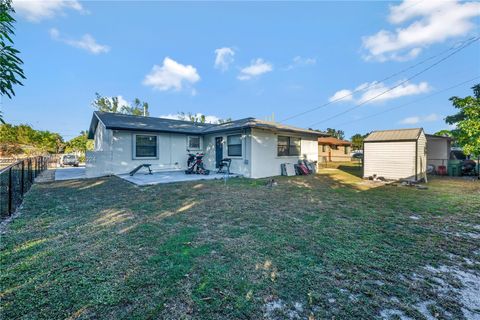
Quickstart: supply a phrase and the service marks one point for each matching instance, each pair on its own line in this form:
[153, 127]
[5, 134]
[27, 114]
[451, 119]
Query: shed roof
[437, 137]
[118, 121]
[333, 141]
[394, 135]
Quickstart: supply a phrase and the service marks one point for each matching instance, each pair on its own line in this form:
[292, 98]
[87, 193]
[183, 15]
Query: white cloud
[208, 119]
[223, 58]
[37, 10]
[419, 119]
[344, 95]
[367, 91]
[406, 89]
[256, 68]
[171, 75]
[410, 120]
[301, 62]
[86, 42]
[430, 22]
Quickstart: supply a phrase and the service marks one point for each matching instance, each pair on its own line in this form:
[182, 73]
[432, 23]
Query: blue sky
[244, 59]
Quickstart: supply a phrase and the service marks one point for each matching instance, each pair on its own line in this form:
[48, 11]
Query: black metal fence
[15, 180]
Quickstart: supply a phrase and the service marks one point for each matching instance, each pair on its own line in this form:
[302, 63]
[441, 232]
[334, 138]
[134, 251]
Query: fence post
[23, 178]
[10, 191]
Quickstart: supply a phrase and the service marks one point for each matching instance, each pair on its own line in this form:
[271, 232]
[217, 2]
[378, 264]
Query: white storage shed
[395, 154]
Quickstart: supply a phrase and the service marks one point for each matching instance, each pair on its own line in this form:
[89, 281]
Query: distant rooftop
[119, 121]
[333, 141]
[394, 135]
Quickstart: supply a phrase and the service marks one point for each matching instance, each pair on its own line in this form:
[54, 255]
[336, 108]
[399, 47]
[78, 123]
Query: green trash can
[454, 168]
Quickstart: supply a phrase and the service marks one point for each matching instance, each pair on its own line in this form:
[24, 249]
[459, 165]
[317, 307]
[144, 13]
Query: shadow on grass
[107, 249]
[354, 170]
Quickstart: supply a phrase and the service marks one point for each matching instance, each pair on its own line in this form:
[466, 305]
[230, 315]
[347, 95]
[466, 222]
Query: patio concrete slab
[69, 173]
[143, 179]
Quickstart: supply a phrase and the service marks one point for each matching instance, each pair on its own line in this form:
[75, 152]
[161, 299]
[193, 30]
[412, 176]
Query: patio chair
[224, 166]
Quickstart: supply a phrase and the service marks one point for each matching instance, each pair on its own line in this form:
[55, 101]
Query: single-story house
[257, 148]
[438, 150]
[331, 149]
[395, 154]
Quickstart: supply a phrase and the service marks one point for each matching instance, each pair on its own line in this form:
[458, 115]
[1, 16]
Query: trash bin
[455, 168]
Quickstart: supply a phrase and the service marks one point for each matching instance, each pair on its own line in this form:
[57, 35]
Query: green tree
[339, 134]
[139, 108]
[79, 144]
[114, 105]
[106, 104]
[467, 122]
[444, 133]
[24, 139]
[10, 71]
[357, 141]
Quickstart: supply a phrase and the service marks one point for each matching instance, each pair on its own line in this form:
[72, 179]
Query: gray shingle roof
[118, 121]
[394, 135]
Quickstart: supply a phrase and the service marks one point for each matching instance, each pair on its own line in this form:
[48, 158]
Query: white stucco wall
[266, 163]
[99, 161]
[240, 165]
[116, 156]
[114, 152]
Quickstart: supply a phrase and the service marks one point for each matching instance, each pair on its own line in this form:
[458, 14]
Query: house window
[145, 146]
[324, 148]
[193, 142]
[345, 151]
[288, 146]
[234, 145]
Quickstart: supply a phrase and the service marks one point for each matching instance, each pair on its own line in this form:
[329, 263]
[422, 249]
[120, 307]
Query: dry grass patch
[312, 247]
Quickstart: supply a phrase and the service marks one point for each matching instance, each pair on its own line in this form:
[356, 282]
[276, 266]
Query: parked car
[357, 156]
[69, 160]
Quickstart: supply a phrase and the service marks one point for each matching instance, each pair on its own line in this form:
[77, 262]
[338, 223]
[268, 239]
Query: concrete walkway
[69, 173]
[143, 179]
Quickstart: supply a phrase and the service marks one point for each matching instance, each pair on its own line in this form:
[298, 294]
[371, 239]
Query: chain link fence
[16, 179]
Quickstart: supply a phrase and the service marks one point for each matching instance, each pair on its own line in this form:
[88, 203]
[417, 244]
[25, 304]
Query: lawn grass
[323, 246]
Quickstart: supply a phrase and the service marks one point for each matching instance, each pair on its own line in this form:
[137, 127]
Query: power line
[461, 43]
[399, 84]
[408, 103]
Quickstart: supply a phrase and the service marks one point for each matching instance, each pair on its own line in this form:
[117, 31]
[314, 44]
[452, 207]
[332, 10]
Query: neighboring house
[395, 154]
[256, 147]
[438, 150]
[331, 149]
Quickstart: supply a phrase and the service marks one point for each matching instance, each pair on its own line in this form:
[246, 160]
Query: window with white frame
[145, 146]
[288, 146]
[193, 142]
[234, 145]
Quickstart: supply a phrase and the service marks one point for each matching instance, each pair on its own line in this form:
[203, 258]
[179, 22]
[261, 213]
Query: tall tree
[80, 144]
[139, 108]
[467, 122]
[114, 105]
[11, 72]
[339, 134]
[444, 133]
[357, 140]
[24, 139]
[198, 117]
